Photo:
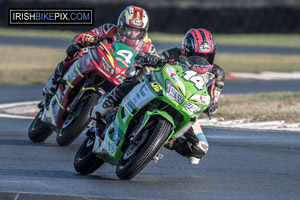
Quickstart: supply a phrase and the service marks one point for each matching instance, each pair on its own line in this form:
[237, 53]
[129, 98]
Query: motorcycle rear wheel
[85, 161]
[38, 130]
[66, 135]
[127, 168]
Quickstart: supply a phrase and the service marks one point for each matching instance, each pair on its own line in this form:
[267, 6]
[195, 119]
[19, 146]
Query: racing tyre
[39, 131]
[85, 161]
[74, 124]
[141, 151]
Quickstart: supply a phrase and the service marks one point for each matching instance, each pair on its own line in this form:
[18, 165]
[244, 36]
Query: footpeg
[157, 157]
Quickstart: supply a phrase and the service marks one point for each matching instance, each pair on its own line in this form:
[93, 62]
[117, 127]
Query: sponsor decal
[112, 148]
[136, 22]
[55, 109]
[141, 90]
[156, 86]
[205, 47]
[145, 95]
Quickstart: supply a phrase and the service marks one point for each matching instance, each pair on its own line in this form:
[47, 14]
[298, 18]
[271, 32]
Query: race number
[195, 78]
[127, 55]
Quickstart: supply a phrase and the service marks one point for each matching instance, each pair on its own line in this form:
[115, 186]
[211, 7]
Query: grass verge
[27, 65]
[33, 65]
[261, 107]
[256, 63]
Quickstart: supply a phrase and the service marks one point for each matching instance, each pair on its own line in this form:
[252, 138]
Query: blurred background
[177, 16]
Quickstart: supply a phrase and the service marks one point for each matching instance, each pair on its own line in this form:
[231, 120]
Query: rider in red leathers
[131, 29]
[197, 42]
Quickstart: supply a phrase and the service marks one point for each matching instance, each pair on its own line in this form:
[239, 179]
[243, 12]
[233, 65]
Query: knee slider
[200, 149]
[187, 149]
[130, 72]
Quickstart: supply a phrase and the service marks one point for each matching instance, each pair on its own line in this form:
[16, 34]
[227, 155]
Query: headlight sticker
[192, 108]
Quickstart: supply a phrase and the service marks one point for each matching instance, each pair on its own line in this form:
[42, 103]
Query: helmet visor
[208, 56]
[198, 64]
[132, 33]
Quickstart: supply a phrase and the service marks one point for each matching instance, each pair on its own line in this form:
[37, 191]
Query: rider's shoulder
[147, 45]
[106, 30]
[217, 67]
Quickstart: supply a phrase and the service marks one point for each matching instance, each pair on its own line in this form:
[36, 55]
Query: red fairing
[86, 64]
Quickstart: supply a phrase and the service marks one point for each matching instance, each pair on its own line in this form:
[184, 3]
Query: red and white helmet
[133, 17]
[199, 42]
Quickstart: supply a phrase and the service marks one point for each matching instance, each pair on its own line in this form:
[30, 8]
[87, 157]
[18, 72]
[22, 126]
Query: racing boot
[51, 85]
[107, 103]
[170, 144]
[191, 145]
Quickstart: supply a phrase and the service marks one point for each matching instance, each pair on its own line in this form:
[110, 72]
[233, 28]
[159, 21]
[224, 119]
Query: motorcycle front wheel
[141, 151]
[85, 161]
[75, 124]
[38, 130]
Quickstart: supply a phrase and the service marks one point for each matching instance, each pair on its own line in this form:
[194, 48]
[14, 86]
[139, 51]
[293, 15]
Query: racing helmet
[199, 42]
[132, 25]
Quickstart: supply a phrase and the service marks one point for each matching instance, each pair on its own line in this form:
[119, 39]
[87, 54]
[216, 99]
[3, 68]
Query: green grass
[272, 40]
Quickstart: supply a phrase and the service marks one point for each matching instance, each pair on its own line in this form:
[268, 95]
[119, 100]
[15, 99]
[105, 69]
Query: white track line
[17, 104]
[25, 103]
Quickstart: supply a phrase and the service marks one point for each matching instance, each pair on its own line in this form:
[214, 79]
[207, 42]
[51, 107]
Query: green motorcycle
[163, 106]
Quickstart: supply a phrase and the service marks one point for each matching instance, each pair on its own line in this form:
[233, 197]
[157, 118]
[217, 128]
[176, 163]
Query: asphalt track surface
[240, 164]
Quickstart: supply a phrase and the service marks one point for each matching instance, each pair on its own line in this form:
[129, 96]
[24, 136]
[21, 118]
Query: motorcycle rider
[131, 29]
[196, 42]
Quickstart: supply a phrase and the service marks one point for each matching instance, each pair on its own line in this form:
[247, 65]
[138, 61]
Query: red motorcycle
[98, 70]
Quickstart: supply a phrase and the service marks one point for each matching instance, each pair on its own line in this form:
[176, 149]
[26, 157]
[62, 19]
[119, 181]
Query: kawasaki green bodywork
[184, 91]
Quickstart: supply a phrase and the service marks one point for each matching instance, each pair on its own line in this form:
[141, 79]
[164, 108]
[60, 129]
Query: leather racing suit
[107, 33]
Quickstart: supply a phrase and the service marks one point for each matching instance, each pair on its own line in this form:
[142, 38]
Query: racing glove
[89, 39]
[73, 49]
[147, 58]
[213, 107]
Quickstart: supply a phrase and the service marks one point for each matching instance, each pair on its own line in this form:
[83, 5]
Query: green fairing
[154, 112]
[151, 88]
[123, 52]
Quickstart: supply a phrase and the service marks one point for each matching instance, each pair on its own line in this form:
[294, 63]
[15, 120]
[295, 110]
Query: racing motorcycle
[98, 70]
[161, 107]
